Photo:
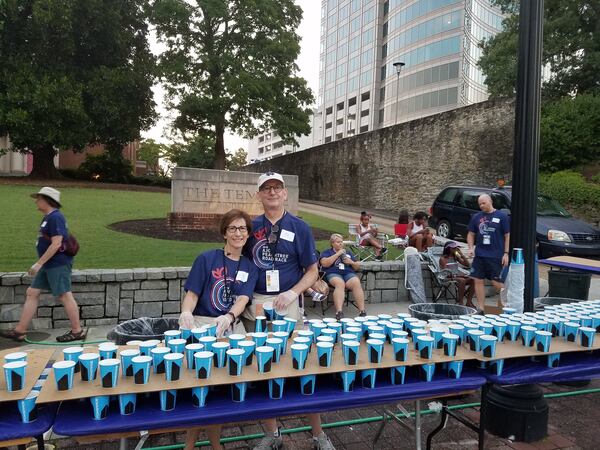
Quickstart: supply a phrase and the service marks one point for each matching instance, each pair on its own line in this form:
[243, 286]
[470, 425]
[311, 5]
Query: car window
[448, 195]
[500, 201]
[468, 199]
[547, 206]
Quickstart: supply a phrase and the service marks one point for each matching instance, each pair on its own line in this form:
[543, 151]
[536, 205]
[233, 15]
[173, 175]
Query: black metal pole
[527, 138]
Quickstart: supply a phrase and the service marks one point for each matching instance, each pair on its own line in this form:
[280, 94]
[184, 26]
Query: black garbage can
[142, 329]
[437, 311]
[569, 284]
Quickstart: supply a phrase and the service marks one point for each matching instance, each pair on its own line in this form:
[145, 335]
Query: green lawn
[89, 212]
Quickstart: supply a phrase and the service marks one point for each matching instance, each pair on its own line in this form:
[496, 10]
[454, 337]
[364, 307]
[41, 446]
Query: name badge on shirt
[495, 220]
[44, 223]
[341, 266]
[242, 276]
[287, 235]
[272, 280]
[486, 239]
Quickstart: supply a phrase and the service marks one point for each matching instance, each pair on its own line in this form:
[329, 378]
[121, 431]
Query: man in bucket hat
[52, 270]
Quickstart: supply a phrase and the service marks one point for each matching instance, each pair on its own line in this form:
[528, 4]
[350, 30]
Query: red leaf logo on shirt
[218, 273]
[260, 234]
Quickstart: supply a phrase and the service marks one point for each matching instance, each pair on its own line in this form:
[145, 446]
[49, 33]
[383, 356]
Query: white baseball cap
[269, 176]
[52, 193]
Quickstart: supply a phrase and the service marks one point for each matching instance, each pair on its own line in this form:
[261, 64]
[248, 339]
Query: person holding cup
[218, 289]
[283, 249]
[339, 266]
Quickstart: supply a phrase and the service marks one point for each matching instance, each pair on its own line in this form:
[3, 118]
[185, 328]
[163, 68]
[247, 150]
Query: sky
[308, 64]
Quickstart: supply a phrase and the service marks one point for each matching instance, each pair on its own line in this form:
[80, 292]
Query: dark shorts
[346, 277]
[57, 280]
[487, 269]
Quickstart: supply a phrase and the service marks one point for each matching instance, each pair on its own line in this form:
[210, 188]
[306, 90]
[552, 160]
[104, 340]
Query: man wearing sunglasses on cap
[283, 249]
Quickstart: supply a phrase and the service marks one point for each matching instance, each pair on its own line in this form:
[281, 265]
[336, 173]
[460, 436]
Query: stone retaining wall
[110, 296]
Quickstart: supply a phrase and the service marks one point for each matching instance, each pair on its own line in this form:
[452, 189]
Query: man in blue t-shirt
[52, 270]
[488, 239]
[283, 249]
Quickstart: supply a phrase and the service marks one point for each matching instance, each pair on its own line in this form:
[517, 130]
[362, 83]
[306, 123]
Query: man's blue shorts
[487, 269]
[346, 277]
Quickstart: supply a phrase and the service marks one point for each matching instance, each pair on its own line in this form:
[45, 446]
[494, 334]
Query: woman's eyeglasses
[232, 229]
[273, 235]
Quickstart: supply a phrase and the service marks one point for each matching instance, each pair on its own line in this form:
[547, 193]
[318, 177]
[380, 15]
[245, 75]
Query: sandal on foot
[69, 336]
[14, 335]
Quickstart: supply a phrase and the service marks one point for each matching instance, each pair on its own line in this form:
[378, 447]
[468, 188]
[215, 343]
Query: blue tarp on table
[11, 426]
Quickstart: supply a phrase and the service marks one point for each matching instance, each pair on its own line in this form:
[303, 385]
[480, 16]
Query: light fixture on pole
[398, 65]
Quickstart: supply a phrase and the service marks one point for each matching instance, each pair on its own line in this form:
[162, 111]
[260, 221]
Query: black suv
[557, 232]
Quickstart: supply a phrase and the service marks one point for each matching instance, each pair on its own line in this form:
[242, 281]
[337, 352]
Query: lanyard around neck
[229, 289]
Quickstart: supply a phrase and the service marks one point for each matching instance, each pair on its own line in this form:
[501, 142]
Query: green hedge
[570, 188]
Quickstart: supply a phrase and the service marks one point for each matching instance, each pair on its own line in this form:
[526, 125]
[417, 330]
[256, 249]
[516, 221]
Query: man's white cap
[270, 176]
[54, 194]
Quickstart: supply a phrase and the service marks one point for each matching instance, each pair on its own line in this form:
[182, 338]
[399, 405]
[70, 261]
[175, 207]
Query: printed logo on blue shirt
[261, 253]
[217, 293]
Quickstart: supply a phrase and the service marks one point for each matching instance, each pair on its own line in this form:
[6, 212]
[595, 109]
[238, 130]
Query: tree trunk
[219, 147]
[43, 163]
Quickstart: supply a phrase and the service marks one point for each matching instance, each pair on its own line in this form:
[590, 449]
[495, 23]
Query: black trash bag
[436, 311]
[142, 329]
[541, 302]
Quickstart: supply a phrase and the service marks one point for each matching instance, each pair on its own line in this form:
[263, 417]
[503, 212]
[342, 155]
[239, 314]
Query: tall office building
[363, 40]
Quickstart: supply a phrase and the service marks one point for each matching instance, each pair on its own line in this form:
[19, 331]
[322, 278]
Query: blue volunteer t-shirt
[53, 224]
[207, 281]
[293, 252]
[335, 267]
[489, 229]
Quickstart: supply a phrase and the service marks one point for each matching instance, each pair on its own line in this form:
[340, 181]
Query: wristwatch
[232, 316]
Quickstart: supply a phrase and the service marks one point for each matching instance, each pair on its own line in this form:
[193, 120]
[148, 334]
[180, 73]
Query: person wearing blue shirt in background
[488, 239]
[218, 288]
[283, 249]
[52, 270]
[339, 266]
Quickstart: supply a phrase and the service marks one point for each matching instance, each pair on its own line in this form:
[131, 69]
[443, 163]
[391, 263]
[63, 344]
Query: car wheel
[444, 229]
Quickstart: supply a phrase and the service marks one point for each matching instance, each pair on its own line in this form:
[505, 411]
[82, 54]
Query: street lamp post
[398, 65]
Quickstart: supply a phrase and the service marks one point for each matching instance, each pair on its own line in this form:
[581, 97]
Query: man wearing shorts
[283, 249]
[52, 270]
[488, 239]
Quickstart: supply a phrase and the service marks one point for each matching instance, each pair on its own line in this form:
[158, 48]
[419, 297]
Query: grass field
[89, 212]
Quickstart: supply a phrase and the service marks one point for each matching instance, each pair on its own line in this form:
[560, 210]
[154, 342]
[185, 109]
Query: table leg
[418, 424]
[440, 427]
[381, 427]
[123, 443]
[482, 416]
[40, 442]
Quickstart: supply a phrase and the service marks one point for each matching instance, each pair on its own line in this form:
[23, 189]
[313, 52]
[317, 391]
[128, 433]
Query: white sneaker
[322, 442]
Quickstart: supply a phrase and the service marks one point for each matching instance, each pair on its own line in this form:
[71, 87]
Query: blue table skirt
[573, 367]
[11, 426]
[74, 418]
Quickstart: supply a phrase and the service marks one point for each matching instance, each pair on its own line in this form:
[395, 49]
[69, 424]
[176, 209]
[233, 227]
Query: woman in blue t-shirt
[339, 267]
[218, 288]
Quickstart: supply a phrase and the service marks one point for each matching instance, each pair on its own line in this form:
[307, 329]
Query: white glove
[223, 323]
[284, 300]
[186, 320]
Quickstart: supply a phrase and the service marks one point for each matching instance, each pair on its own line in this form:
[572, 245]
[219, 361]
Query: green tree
[571, 49]
[74, 73]
[570, 133]
[230, 64]
[197, 151]
[151, 152]
[237, 160]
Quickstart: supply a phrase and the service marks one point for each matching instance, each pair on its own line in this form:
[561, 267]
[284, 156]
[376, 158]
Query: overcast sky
[308, 62]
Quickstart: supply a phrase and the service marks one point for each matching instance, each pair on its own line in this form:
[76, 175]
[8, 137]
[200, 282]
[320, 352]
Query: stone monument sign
[199, 197]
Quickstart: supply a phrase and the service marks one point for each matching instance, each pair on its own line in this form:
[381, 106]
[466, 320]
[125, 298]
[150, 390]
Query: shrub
[106, 168]
[570, 188]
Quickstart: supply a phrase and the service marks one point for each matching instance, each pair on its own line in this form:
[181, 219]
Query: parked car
[558, 233]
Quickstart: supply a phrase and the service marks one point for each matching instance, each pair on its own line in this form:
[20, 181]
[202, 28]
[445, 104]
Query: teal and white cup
[324, 353]
[543, 340]
[455, 369]
[199, 395]
[190, 350]
[211, 329]
[127, 404]
[399, 334]
[497, 366]
[307, 384]
[284, 339]
[277, 345]
[259, 338]
[317, 328]
[450, 343]
[324, 339]
[276, 388]
[260, 324]
[512, 330]
[486, 327]
[586, 336]
[437, 334]
[279, 325]
[126, 363]
[89, 366]
[39, 384]
[425, 346]
[553, 360]
[141, 368]
[238, 392]
[416, 332]
[304, 341]
[350, 350]
[64, 371]
[367, 378]
[348, 378]
[208, 342]
[458, 330]
[107, 350]
[197, 333]
[27, 407]
[186, 333]
[356, 331]
[248, 347]
[473, 338]
[426, 371]
[509, 310]
[398, 374]
[264, 358]
[400, 346]
[158, 358]
[347, 337]
[375, 350]
[168, 399]
[269, 311]
[146, 347]
[307, 334]
[338, 330]
[330, 332]
[487, 343]
[235, 361]
[203, 361]
[499, 330]
[279, 315]
[15, 356]
[100, 406]
[299, 355]
[173, 366]
[234, 339]
[571, 331]
[528, 335]
[177, 345]
[171, 334]
[220, 351]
